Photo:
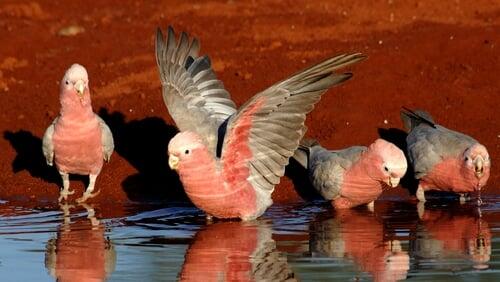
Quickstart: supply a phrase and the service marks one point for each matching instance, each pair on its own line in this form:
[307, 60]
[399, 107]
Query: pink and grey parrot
[78, 140]
[443, 159]
[229, 160]
[352, 176]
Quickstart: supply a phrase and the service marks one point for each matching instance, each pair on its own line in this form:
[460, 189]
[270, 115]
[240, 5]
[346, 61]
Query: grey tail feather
[412, 119]
[308, 143]
[301, 155]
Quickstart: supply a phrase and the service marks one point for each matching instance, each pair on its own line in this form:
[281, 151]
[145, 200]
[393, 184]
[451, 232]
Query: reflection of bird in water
[455, 232]
[358, 235]
[80, 252]
[235, 251]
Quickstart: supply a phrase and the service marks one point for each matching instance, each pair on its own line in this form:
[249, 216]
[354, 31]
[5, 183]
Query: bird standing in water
[229, 160]
[352, 176]
[443, 159]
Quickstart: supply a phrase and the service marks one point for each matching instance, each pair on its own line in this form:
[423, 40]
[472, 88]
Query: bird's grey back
[428, 145]
[326, 168]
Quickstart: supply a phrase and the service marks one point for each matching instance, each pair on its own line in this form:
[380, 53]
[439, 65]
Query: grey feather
[326, 168]
[47, 143]
[195, 99]
[108, 144]
[278, 124]
[428, 145]
[412, 119]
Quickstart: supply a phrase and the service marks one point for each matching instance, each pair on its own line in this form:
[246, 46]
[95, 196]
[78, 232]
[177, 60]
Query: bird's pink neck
[200, 173]
[361, 183]
[452, 175]
[366, 168]
[74, 108]
[204, 183]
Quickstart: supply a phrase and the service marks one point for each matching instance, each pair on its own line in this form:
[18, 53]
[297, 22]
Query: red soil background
[441, 56]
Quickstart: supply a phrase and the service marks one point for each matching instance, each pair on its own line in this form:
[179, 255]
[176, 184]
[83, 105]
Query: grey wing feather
[47, 144]
[277, 125]
[108, 144]
[412, 119]
[327, 168]
[427, 146]
[195, 98]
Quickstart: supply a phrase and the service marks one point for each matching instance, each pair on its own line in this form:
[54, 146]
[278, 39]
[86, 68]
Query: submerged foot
[420, 194]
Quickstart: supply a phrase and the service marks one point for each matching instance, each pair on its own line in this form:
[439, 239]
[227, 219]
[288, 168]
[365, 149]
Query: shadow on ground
[30, 156]
[143, 143]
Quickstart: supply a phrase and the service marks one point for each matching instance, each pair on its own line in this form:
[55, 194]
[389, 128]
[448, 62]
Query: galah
[229, 160]
[450, 232]
[247, 252]
[81, 250]
[78, 140]
[353, 176]
[443, 159]
[362, 238]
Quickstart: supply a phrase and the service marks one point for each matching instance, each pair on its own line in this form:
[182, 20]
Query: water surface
[305, 242]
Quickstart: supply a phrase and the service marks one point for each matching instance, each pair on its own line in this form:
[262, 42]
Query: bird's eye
[466, 158]
[186, 152]
[67, 82]
[386, 169]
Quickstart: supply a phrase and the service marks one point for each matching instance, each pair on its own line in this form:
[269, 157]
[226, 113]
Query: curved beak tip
[80, 88]
[173, 162]
[393, 181]
[478, 167]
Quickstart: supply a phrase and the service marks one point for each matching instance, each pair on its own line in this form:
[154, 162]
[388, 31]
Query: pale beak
[393, 181]
[173, 162]
[478, 166]
[80, 87]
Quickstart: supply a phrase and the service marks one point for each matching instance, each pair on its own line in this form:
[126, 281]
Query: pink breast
[209, 191]
[449, 175]
[78, 147]
[359, 188]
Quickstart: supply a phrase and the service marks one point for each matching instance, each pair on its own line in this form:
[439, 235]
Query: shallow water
[306, 242]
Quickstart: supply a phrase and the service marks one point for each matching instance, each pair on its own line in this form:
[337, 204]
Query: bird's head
[392, 163]
[75, 82]
[477, 160]
[182, 148]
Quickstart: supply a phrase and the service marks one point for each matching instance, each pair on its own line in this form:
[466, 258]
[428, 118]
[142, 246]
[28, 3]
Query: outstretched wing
[47, 144]
[265, 132]
[108, 144]
[195, 98]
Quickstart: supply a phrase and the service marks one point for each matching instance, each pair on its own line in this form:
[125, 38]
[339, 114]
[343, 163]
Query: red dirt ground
[442, 56]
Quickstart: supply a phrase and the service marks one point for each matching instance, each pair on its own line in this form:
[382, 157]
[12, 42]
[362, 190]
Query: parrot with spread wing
[229, 159]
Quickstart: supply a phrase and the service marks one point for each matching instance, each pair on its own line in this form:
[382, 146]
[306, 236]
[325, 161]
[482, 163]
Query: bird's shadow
[143, 143]
[300, 179]
[398, 138]
[30, 156]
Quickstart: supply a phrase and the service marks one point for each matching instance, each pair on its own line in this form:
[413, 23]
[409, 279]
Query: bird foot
[463, 198]
[421, 209]
[64, 194]
[86, 196]
[210, 218]
[420, 194]
[371, 206]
